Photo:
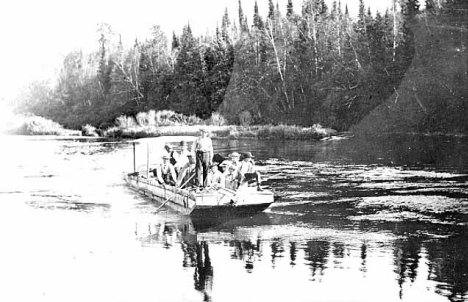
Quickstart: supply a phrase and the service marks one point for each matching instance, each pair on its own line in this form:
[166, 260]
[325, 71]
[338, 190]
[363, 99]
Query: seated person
[187, 172]
[215, 177]
[165, 173]
[235, 159]
[248, 172]
[231, 176]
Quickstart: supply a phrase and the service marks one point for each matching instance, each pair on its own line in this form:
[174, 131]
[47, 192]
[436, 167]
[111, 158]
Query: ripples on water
[355, 220]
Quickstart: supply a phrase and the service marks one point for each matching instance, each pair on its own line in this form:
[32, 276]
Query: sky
[37, 34]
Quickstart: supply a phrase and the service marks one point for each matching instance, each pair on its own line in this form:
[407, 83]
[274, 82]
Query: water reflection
[359, 220]
[414, 262]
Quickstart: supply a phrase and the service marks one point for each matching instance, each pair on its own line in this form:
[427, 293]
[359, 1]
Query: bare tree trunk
[394, 30]
[269, 34]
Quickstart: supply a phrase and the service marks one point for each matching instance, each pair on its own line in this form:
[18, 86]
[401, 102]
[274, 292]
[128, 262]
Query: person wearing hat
[165, 173]
[234, 158]
[182, 157]
[186, 173]
[248, 172]
[204, 157]
[215, 177]
[231, 175]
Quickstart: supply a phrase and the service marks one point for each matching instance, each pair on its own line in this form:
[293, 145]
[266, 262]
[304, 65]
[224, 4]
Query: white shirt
[204, 144]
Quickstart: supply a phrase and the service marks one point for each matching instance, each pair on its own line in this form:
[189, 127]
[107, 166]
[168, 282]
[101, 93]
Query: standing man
[204, 157]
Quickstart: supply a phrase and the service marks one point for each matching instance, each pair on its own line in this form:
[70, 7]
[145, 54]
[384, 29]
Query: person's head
[231, 169]
[234, 156]
[165, 159]
[168, 147]
[247, 156]
[214, 167]
[203, 132]
[191, 159]
[183, 145]
[223, 166]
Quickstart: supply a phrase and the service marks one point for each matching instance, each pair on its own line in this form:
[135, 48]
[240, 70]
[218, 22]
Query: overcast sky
[37, 34]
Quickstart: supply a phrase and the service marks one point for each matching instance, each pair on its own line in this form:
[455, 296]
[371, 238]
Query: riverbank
[273, 132]
[125, 128]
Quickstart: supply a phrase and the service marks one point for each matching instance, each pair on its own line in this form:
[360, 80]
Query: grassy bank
[36, 125]
[279, 132]
[162, 123]
[152, 124]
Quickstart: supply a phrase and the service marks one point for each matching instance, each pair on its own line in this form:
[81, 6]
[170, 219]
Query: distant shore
[41, 126]
[272, 132]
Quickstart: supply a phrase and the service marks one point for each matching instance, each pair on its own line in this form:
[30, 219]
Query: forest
[313, 64]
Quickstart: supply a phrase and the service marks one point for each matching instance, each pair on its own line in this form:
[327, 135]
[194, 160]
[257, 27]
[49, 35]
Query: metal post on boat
[147, 160]
[134, 157]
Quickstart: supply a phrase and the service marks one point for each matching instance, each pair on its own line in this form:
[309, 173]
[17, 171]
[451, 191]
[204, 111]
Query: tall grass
[166, 122]
[286, 132]
[36, 125]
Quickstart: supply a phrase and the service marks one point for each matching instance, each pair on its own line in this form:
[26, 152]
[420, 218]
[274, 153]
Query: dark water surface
[356, 219]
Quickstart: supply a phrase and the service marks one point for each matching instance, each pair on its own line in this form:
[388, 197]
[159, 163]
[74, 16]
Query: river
[379, 218]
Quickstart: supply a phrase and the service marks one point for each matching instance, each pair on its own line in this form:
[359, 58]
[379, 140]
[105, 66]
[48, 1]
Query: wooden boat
[212, 202]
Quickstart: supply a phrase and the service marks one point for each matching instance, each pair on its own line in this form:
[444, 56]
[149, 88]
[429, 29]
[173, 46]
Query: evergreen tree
[175, 41]
[410, 8]
[257, 20]
[242, 19]
[271, 10]
[289, 9]
[225, 27]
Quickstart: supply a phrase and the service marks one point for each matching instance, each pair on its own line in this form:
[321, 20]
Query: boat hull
[220, 204]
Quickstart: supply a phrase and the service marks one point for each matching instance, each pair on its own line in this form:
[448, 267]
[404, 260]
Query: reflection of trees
[449, 267]
[198, 255]
[407, 254]
[316, 253]
[277, 251]
[363, 257]
[246, 251]
[292, 252]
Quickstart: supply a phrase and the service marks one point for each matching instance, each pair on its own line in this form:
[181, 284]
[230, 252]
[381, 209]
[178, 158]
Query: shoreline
[267, 132]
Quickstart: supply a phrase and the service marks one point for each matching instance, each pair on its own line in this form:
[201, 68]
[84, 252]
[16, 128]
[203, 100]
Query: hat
[247, 155]
[234, 154]
[225, 163]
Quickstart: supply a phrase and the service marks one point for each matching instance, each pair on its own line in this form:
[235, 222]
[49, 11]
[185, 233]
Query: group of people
[179, 168]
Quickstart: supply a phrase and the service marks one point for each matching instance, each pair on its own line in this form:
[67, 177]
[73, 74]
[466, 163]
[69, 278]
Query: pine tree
[175, 41]
[289, 9]
[410, 8]
[242, 19]
[225, 24]
[271, 10]
[257, 20]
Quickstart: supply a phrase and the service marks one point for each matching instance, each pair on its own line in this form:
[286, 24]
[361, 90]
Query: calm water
[356, 219]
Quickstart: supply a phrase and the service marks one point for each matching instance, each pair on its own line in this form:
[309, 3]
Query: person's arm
[173, 173]
[211, 153]
[159, 174]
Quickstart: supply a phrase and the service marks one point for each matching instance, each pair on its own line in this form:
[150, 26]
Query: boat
[211, 202]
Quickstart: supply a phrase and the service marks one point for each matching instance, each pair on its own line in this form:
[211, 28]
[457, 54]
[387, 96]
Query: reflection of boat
[217, 202]
[189, 230]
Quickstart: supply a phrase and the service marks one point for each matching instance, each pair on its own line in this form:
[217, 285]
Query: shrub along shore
[161, 123]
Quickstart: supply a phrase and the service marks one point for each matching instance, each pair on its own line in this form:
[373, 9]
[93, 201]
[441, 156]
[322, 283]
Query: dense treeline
[313, 64]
